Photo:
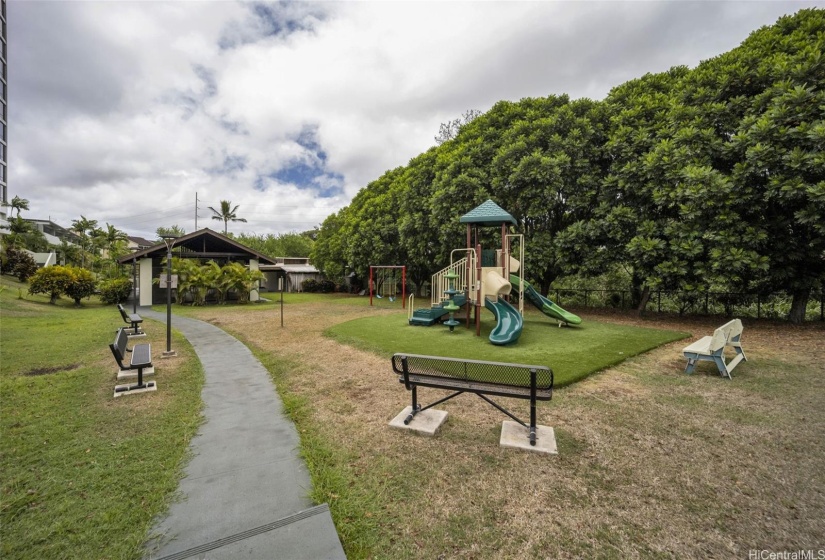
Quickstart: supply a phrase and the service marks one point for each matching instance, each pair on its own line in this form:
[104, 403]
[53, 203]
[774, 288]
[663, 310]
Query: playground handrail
[462, 283]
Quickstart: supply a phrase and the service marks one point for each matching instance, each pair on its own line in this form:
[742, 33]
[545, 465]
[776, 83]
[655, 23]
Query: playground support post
[478, 289]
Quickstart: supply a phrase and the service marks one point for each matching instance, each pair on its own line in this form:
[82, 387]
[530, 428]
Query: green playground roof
[488, 214]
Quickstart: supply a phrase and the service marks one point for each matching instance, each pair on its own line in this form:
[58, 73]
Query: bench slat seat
[533, 383]
[141, 356]
[712, 348]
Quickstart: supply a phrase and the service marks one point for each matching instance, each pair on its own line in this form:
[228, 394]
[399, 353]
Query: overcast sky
[122, 111]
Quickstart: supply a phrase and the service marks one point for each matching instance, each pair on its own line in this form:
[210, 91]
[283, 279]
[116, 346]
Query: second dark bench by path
[520, 381]
[133, 320]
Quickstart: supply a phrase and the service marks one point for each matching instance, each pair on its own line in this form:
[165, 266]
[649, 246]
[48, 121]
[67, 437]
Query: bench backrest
[514, 375]
[727, 334]
[118, 347]
[123, 313]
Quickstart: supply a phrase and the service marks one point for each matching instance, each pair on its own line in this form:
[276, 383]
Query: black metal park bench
[132, 319]
[140, 360]
[518, 381]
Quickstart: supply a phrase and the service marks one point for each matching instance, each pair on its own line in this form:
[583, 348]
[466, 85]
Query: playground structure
[387, 280]
[488, 278]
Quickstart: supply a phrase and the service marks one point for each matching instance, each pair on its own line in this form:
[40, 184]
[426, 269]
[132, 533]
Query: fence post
[660, 300]
[758, 306]
[707, 295]
[585, 297]
[822, 306]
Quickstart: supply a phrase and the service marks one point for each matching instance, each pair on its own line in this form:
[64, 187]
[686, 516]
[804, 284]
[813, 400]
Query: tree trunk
[636, 290]
[799, 305]
[645, 297]
[544, 288]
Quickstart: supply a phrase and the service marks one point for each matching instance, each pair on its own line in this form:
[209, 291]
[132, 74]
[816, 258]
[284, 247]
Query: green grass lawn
[273, 301]
[85, 474]
[571, 352]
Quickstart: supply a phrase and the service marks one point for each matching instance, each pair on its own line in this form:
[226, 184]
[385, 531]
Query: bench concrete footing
[121, 390]
[427, 422]
[515, 435]
[133, 374]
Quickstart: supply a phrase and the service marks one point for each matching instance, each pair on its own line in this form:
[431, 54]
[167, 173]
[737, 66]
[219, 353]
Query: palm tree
[226, 214]
[81, 227]
[18, 204]
[114, 237]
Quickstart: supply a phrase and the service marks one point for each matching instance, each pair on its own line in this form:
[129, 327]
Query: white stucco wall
[253, 265]
[145, 281]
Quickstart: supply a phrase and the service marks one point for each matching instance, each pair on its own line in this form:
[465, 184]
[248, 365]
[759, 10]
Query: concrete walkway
[244, 493]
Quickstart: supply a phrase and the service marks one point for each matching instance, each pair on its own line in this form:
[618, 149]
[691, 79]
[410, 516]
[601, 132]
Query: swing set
[384, 283]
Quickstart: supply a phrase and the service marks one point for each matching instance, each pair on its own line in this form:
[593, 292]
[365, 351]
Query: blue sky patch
[278, 19]
[231, 164]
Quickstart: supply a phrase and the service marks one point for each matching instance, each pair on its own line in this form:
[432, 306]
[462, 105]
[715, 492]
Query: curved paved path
[245, 489]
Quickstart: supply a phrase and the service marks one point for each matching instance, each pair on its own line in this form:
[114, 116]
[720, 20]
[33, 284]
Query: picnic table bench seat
[712, 348]
[132, 319]
[533, 383]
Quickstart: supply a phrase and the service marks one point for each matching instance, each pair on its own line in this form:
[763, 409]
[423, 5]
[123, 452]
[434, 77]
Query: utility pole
[196, 211]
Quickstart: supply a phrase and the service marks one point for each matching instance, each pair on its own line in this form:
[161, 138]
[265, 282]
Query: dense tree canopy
[710, 178]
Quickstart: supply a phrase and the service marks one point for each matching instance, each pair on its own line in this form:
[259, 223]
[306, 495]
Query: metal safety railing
[464, 269]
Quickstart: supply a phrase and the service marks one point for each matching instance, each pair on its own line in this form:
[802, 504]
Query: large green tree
[710, 179]
[742, 163]
[329, 252]
[282, 245]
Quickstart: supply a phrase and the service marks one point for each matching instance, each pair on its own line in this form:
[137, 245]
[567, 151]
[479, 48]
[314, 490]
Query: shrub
[52, 280]
[25, 268]
[19, 263]
[309, 285]
[82, 284]
[326, 286]
[74, 282]
[115, 291]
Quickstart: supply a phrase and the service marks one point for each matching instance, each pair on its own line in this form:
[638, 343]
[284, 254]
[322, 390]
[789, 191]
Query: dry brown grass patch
[652, 463]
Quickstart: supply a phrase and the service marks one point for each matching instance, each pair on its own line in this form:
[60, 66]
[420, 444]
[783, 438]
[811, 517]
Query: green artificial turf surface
[572, 353]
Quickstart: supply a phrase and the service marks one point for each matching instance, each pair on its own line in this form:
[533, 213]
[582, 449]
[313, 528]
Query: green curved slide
[545, 305]
[509, 321]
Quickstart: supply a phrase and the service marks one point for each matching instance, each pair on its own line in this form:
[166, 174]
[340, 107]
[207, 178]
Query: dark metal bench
[141, 359]
[132, 319]
[518, 381]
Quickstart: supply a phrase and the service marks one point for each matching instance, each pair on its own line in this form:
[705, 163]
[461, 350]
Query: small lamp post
[169, 241]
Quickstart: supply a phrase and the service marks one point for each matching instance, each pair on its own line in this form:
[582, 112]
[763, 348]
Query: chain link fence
[728, 304]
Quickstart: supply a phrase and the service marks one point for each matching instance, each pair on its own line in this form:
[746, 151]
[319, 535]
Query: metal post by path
[281, 286]
[169, 240]
[169, 302]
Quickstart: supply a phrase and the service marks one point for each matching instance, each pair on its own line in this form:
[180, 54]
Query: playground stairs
[427, 317]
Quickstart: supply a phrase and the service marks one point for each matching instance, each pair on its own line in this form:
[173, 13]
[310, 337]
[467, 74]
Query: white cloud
[133, 107]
